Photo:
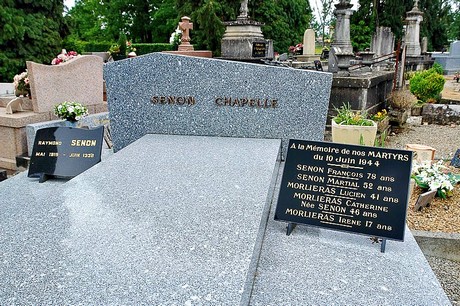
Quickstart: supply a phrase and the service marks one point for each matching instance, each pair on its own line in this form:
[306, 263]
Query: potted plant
[71, 112]
[353, 127]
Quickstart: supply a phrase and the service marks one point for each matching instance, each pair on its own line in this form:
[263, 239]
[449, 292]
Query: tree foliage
[31, 31]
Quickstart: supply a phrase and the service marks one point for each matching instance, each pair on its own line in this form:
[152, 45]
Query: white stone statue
[244, 9]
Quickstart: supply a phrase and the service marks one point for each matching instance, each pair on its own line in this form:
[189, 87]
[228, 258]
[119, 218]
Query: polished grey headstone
[302, 99]
[168, 220]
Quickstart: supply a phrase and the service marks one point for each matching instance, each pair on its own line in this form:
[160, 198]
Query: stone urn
[354, 134]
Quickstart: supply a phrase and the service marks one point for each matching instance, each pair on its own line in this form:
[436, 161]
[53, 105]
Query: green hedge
[150, 48]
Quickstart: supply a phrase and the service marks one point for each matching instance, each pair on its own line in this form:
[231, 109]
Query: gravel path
[446, 141]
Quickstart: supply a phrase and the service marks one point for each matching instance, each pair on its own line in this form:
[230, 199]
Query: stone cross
[185, 25]
[416, 3]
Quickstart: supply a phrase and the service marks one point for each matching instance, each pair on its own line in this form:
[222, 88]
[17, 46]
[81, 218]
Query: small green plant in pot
[353, 127]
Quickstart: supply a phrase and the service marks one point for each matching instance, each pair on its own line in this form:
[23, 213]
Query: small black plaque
[65, 152]
[455, 162]
[259, 49]
[345, 187]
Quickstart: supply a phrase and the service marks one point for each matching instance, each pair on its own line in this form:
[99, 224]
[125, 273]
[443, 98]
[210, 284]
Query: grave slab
[172, 94]
[173, 220]
[315, 266]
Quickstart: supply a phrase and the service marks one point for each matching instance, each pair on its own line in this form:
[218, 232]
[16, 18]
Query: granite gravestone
[350, 188]
[65, 152]
[173, 94]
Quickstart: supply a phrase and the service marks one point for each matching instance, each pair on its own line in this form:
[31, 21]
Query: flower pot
[23, 93]
[354, 134]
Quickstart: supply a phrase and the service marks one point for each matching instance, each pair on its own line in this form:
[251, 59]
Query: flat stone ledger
[184, 228]
[79, 79]
[171, 94]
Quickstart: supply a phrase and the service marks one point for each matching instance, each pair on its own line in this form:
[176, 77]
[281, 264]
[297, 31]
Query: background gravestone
[173, 94]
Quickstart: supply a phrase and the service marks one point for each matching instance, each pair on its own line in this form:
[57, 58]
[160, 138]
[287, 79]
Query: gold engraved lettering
[49, 143]
[74, 155]
[83, 143]
[53, 154]
[40, 154]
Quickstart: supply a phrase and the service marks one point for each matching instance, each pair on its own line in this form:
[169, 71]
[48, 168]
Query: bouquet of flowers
[64, 57]
[297, 49]
[435, 177]
[71, 111]
[175, 38]
[21, 84]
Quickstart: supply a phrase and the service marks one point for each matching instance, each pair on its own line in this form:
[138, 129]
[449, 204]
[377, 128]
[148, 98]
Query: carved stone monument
[341, 49]
[243, 39]
[308, 53]
[412, 36]
[185, 47]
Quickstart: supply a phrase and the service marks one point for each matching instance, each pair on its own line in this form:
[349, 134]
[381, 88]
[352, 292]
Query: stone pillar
[343, 13]
[412, 36]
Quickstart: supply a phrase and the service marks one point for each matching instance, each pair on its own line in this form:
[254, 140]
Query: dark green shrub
[427, 85]
[438, 68]
[150, 48]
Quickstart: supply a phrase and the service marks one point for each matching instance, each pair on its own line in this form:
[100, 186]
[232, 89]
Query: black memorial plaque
[65, 152]
[259, 49]
[455, 162]
[346, 187]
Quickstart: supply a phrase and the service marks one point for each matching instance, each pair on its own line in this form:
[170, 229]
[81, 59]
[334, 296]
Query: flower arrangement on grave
[21, 84]
[63, 57]
[175, 38]
[71, 111]
[346, 116]
[435, 177]
[297, 49]
[353, 127]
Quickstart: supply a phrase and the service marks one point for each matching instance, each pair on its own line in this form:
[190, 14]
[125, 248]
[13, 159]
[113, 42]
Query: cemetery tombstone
[65, 152]
[209, 97]
[349, 188]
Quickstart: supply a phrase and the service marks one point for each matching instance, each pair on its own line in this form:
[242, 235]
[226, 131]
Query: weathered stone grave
[188, 219]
